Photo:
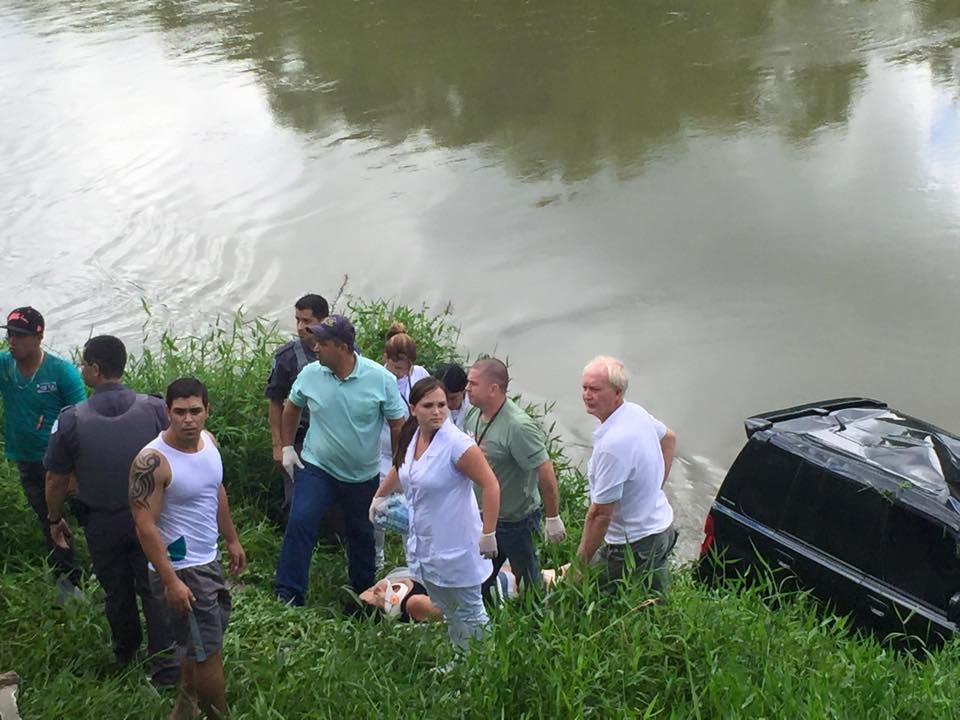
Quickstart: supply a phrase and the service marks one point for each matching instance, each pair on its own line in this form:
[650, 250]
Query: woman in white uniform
[448, 547]
[399, 357]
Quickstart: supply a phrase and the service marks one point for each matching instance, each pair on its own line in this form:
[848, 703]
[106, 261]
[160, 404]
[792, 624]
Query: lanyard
[476, 428]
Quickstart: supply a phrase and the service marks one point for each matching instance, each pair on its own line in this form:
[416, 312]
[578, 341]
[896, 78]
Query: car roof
[867, 440]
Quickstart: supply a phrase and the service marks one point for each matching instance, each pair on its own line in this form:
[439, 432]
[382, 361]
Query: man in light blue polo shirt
[348, 398]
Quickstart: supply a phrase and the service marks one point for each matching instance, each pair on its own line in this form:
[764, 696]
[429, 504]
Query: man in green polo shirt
[348, 398]
[35, 386]
[514, 446]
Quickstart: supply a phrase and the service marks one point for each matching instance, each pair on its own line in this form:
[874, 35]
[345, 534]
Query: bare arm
[547, 480]
[668, 445]
[274, 413]
[395, 426]
[57, 488]
[474, 465]
[594, 528]
[238, 557]
[149, 477]
[390, 484]
[289, 420]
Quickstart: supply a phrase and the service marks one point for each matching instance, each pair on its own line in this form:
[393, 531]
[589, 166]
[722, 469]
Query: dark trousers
[33, 479]
[515, 543]
[331, 526]
[121, 568]
[313, 492]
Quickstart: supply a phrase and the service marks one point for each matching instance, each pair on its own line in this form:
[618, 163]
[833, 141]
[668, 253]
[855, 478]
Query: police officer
[289, 359]
[97, 440]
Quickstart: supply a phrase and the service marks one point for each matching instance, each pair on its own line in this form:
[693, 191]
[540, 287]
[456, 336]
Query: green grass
[706, 654]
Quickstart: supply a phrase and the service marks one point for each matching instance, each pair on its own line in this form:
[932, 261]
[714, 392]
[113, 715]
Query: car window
[920, 557]
[839, 516]
[767, 474]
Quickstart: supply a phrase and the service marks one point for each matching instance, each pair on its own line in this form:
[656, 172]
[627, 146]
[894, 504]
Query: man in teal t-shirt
[349, 398]
[35, 386]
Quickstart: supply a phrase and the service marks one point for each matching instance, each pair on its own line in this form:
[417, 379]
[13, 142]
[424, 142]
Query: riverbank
[705, 654]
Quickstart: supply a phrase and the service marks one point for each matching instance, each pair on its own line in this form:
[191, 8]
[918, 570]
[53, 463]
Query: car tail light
[707, 535]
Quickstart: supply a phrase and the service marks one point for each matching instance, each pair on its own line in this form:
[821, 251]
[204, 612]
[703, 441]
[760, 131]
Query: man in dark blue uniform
[97, 440]
[289, 359]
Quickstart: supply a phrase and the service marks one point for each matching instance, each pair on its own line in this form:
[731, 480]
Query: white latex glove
[555, 529]
[488, 545]
[375, 505]
[290, 460]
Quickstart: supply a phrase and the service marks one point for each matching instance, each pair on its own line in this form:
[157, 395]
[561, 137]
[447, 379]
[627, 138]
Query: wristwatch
[51, 521]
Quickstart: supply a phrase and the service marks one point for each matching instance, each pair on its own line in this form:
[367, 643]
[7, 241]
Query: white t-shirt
[443, 543]
[404, 385]
[460, 414]
[626, 468]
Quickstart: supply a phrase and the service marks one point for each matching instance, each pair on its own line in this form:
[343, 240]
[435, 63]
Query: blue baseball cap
[335, 327]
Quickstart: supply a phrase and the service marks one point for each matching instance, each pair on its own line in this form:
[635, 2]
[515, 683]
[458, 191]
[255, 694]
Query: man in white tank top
[180, 508]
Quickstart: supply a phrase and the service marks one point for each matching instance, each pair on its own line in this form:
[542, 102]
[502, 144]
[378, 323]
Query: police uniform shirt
[102, 462]
[289, 359]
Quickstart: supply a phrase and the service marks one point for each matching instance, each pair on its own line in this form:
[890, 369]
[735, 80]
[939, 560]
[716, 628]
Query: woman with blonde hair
[399, 357]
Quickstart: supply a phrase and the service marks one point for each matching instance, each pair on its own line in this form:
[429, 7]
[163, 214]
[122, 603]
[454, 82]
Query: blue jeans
[313, 492]
[515, 543]
[463, 612]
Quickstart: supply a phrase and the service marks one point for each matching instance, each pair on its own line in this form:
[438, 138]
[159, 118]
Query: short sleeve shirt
[31, 405]
[514, 446]
[404, 385]
[98, 440]
[347, 416]
[626, 468]
[288, 361]
[443, 543]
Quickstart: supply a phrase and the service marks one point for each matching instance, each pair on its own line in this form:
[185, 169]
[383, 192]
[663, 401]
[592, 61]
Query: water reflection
[554, 88]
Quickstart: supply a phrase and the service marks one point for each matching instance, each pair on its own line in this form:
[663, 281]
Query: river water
[755, 204]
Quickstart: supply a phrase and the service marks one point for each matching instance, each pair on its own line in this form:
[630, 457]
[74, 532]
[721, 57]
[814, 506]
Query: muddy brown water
[754, 204]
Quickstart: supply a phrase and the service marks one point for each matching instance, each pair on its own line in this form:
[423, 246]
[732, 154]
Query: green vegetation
[707, 654]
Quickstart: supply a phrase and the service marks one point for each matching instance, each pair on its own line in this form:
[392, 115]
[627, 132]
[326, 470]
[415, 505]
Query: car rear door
[749, 507]
[833, 527]
[919, 573]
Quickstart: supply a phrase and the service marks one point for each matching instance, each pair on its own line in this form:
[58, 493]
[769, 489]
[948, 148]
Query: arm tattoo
[142, 480]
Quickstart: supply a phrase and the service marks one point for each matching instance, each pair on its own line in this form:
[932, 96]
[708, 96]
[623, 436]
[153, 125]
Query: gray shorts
[202, 636]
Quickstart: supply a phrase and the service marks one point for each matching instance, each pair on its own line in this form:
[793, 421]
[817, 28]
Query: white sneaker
[66, 591]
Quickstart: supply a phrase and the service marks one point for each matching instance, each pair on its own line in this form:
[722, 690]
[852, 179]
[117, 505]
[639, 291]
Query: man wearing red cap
[35, 386]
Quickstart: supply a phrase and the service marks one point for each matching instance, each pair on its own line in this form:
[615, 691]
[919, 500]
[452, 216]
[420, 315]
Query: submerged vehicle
[852, 500]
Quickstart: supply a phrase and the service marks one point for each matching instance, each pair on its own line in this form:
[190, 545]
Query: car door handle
[877, 607]
[784, 561]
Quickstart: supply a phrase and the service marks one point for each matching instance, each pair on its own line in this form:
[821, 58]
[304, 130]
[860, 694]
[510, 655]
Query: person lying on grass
[402, 598]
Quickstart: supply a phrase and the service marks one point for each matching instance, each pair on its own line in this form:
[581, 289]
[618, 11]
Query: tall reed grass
[579, 654]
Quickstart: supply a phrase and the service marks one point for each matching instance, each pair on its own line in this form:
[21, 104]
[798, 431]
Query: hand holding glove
[290, 460]
[376, 505]
[555, 529]
[488, 545]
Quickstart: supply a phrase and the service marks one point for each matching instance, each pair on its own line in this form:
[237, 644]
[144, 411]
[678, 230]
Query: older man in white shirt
[632, 455]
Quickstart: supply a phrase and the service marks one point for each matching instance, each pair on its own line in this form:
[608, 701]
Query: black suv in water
[853, 500]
